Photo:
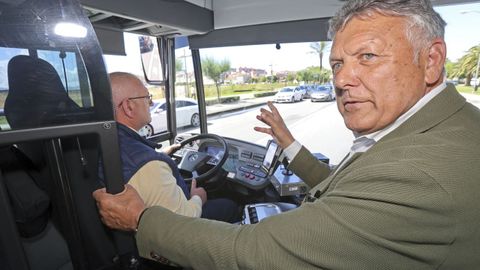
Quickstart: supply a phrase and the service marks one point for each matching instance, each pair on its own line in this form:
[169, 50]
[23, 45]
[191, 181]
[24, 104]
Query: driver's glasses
[149, 97]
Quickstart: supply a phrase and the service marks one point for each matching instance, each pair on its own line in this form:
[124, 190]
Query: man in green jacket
[405, 197]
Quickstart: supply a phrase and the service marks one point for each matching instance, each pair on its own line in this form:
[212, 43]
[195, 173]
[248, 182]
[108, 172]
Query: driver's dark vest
[136, 151]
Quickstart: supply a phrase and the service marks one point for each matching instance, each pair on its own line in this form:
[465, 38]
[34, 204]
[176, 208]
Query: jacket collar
[131, 133]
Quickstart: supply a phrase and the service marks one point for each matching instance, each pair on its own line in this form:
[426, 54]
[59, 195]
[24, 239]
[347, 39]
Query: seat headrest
[36, 94]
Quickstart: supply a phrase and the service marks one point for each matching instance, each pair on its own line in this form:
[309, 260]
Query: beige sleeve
[157, 186]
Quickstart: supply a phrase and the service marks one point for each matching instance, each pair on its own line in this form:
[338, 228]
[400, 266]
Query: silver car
[323, 93]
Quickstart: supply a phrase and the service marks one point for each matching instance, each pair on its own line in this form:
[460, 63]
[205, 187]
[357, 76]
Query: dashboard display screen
[214, 151]
[217, 152]
[270, 155]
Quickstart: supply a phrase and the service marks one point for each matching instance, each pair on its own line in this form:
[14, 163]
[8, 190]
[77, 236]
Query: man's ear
[126, 107]
[436, 55]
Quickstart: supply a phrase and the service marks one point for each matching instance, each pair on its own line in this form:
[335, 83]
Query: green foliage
[230, 99]
[467, 89]
[291, 77]
[232, 90]
[467, 65]
[179, 64]
[314, 74]
[214, 70]
[449, 69]
[264, 94]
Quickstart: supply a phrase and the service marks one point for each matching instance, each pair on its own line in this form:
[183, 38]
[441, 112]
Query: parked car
[288, 94]
[309, 89]
[323, 92]
[187, 115]
[302, 89]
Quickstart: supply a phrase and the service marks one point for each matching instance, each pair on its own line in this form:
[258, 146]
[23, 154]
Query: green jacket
[412, 201]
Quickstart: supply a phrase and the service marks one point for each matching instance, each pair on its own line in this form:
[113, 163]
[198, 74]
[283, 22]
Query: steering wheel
[192, 161]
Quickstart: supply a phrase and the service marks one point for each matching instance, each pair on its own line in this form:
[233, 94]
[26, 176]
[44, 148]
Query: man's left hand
[120, 211]
[170, 149]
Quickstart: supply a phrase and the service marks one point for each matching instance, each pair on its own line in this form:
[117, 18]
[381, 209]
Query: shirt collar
[364, 142]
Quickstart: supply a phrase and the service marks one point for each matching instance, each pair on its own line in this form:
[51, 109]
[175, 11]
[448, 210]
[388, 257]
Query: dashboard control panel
[244, 162]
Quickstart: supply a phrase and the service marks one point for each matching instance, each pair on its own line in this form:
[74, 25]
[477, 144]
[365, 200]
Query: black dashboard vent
[258, 157]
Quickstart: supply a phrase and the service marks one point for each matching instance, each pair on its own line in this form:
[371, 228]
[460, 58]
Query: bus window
[187, 112]
[5, 55]
[65, 63]
[252, 75]
[140, 48]
[51, 84]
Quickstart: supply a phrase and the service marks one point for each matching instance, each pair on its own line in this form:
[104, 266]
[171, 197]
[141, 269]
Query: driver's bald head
[124, 85]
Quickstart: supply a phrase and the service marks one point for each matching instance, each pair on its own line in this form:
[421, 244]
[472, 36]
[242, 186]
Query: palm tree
[467, 65]
[319, 48]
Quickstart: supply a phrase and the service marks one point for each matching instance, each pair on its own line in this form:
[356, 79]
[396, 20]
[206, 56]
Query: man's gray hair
[424, 24]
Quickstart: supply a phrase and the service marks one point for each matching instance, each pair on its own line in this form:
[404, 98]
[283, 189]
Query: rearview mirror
[150, 58]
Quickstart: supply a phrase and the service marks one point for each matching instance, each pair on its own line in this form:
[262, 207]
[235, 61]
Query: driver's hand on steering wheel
[170, 149]
[199, 191]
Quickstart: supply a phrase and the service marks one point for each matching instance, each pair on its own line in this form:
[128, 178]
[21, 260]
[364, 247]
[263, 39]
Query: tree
[305, 75]
[311, 74]
[214, 70]
[178, 64]
[319, 48]
[467, 65]
[290, 77]
[449, 68]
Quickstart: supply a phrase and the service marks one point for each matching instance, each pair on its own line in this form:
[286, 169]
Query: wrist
[139, 218]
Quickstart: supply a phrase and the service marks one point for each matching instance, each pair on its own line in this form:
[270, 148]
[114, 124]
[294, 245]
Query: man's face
[375, 76]
[142, 105]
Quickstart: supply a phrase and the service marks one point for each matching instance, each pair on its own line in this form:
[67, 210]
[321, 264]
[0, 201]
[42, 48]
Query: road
[318, 126]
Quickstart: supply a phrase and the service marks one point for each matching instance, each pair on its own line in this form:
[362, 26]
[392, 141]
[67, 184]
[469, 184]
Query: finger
[194, 184]
[261, 119]
[265, 112]
[272, 107]
[267, 118]
[263, 130]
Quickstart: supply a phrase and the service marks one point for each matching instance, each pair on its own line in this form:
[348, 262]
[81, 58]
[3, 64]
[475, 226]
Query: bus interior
[57, 126]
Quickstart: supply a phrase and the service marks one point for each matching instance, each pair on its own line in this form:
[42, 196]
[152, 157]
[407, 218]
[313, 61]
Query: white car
[288, 94]
[187, 115]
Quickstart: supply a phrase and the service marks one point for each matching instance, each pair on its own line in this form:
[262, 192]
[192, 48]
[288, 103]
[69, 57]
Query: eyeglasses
[149, 97]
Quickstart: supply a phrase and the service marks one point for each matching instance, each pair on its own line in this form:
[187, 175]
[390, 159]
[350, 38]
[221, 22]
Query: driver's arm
[157, 186]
